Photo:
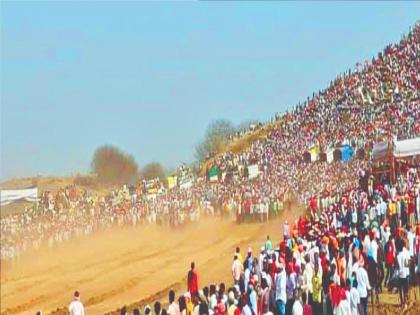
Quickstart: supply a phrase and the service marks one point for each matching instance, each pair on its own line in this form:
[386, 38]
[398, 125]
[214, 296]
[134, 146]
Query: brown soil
[124, 266]
[136, 266]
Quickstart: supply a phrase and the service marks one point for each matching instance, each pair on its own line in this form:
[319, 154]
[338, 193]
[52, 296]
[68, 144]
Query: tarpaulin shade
[253, 171]
[11, 195]
[346, 152]
[407, 148]
[330, 155]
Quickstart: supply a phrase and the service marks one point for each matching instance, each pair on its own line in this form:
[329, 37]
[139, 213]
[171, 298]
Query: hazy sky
[149, 77]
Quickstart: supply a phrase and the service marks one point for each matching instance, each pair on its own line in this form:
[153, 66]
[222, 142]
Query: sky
[148, 77]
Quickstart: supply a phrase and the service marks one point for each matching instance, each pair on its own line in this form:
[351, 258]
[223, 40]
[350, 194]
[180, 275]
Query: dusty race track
[135, 266]
[122, 266]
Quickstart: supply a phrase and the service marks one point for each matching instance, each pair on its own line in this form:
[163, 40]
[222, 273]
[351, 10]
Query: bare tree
[216, 137]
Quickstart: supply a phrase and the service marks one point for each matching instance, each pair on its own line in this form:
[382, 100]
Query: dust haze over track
[123, 266]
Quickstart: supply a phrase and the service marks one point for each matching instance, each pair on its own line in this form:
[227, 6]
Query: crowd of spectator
[346, 250]
[373, 103]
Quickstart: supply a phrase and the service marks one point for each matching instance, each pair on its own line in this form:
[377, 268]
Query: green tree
[112, 166]
[153, 170]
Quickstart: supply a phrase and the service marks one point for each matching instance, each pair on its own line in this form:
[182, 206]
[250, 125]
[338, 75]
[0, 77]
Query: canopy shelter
[314, 152]
[330, 155]
[12, 195]
[407, 148]
[346, 153]
[213, 174]
[253, 171]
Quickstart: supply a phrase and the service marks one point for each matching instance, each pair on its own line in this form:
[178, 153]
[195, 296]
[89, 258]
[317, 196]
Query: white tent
[11, 195]
[253, 171]
[330, 155]
[407, 148]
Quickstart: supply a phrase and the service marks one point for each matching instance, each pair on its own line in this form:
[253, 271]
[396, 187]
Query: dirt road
[121, 266]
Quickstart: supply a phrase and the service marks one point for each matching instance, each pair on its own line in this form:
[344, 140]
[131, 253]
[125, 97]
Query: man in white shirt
[237, 269]
[363, 286]
[411, 236]
[403, 259]
[307, 277]
[76, 307]
[280, 282]
[173, 308]
[373, 248]
[354, 299]
[297, 308]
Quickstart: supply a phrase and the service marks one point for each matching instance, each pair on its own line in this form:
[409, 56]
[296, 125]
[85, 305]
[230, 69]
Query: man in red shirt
[193, 281]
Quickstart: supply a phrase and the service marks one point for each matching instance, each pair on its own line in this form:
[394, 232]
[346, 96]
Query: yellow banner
[171, 181]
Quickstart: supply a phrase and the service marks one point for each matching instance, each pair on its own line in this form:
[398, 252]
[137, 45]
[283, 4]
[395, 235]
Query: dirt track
[135, 266]
[123, 266]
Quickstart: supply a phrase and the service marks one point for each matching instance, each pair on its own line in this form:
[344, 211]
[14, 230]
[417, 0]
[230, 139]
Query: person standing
[317, 291]
[354, 299]
[232, 307]
[173, 308]
[307, 308]
[297, 308]
[363, 286]
[268, 244]
[389, 259]
[265, 297]
[403, 259]
[252, 296]
[307, 278]
[237, 270]
[286, 230]
[76, 307]
[193, 280]
[157, 308]
[280, 281]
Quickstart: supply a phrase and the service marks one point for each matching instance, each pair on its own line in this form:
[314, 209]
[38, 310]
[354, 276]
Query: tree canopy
[216, 137]
[153, 170]
[113, 166]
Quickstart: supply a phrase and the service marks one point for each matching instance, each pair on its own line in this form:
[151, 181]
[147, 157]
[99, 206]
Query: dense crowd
[373, 103]
[349, 247]
[361, 234]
